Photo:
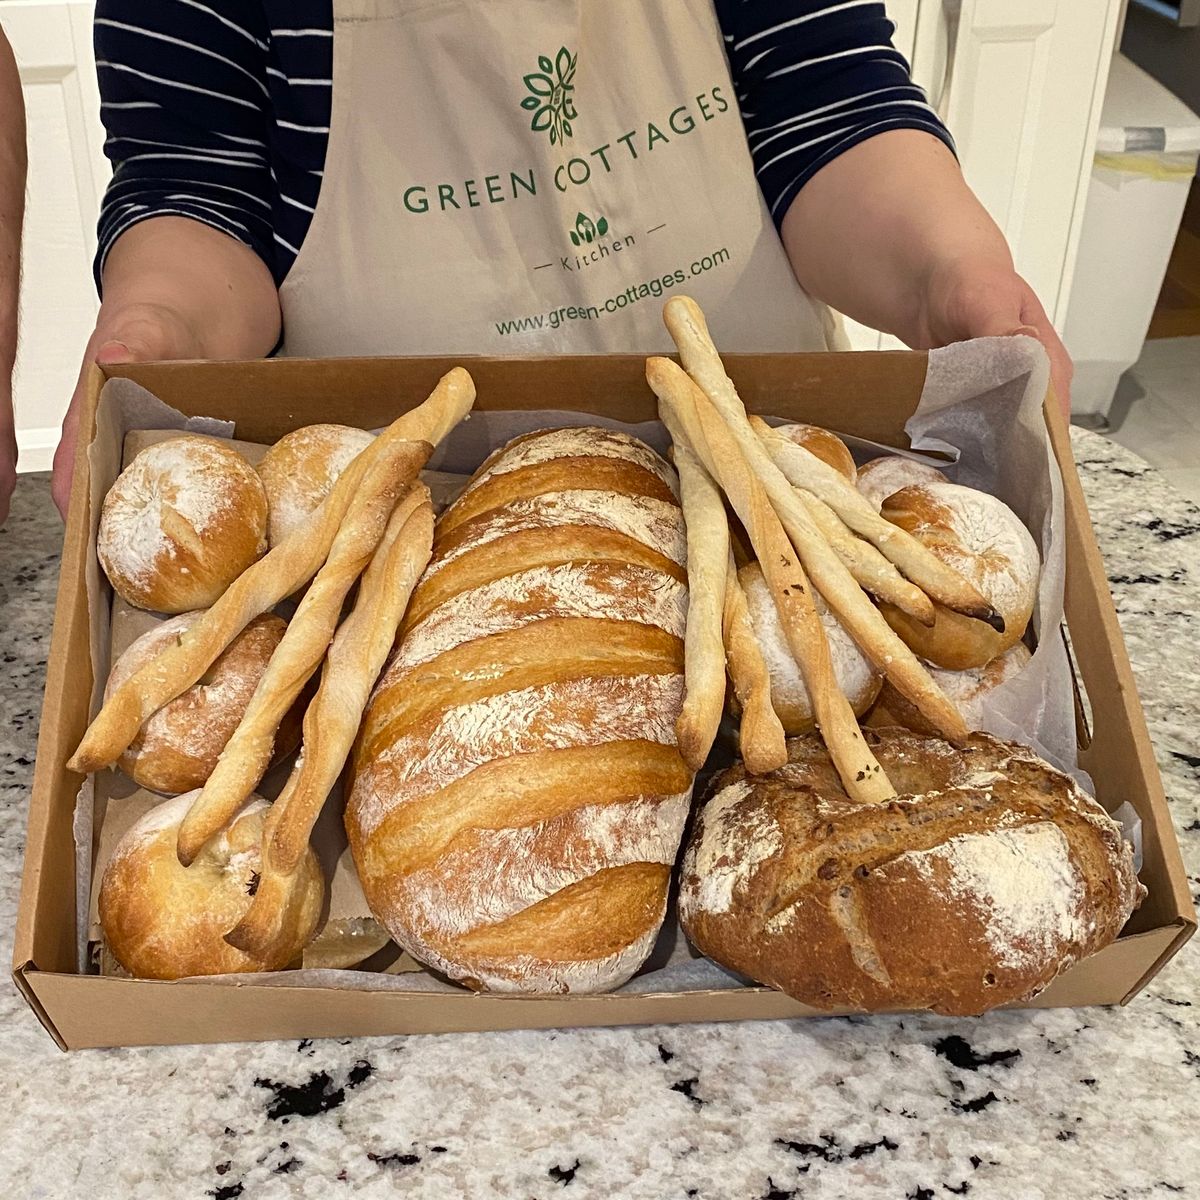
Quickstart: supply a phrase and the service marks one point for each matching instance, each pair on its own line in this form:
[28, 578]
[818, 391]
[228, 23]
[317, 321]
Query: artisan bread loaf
[181, 523]
[986, 877]
[299, 471]
[985, 541]
[856, 676]
[162, 920]
[884, 477]
[517, 796]
[828, 447]
[967, 689]
[177, 748]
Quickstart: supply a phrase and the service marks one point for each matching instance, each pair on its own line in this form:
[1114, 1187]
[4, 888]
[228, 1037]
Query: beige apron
[536, 177]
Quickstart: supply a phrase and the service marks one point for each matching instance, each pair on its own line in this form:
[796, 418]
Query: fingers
[133, 333]
[64, 458]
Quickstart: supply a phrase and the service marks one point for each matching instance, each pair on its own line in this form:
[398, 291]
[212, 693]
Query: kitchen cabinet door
[1023, 92]
[1020, 84]
[67, 175]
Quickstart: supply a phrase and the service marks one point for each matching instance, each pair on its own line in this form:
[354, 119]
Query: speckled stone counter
[1094, 1103]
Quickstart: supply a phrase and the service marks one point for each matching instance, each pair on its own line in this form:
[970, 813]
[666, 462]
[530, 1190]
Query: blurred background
[1076, 125]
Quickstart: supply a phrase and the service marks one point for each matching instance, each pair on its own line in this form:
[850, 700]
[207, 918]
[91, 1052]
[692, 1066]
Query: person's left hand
[968, 299]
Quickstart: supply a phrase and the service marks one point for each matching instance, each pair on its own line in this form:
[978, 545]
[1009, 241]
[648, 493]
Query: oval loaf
[518, 798]
[987, 876]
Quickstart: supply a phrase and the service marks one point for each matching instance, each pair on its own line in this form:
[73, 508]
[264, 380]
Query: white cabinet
[1019, 84]
[67, 175]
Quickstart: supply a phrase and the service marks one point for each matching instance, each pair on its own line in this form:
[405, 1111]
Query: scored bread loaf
[987, 876]
[517, 797]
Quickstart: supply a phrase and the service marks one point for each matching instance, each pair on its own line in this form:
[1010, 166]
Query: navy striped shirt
[219, 110]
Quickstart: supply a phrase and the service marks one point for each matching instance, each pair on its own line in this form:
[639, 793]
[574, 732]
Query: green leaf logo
[586, 230]
[551, 97]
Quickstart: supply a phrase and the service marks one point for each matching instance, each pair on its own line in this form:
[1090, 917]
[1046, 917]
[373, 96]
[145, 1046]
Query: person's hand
[136, 333]
[969, 299]
[8, 451]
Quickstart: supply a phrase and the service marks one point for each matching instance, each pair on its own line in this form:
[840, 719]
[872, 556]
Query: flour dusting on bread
[589, 440]
[601, 590]
[655, 523]
[1022, 880]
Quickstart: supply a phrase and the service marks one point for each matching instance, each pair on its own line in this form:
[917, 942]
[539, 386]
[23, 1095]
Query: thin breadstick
[356, 656]
[278, 574]
[760, 734]
[868, 566]
[874, 636]
[686, 324]
[707, 563]
[680, 400]
[247, 754]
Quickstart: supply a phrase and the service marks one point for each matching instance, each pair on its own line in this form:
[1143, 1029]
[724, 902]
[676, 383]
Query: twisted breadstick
[305, 641]
[708, 556]
[683, 403]
[275, 576]
[356, 656]
[760, 732]
[686, 324]
[843, 595]
[868, 566]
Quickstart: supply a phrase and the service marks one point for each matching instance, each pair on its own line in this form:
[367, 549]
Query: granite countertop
[1093, 1103]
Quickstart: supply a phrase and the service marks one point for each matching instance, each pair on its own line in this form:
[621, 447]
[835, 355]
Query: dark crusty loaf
[989, 875]
[518, 798]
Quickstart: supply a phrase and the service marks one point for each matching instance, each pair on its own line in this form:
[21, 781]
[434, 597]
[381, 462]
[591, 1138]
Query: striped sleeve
[184, 103]
[814, 79]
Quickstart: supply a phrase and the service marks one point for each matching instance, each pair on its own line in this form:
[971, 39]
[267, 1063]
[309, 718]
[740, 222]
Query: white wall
[67, 175]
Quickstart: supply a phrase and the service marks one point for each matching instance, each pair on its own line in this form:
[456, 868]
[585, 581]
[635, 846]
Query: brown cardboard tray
[868, 395]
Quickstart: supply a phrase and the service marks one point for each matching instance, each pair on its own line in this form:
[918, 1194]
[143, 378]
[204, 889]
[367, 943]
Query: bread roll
[967, 689]
[162, 920]
[989, 875]
[828, 447]
[179, 745]
[882, 477]
[301, 468]
[518, 796]
[984, 540]
[856, 676]
[181, 523]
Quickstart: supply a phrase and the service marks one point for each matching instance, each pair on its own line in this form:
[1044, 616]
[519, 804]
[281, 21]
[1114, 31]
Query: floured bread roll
[518, 796]
[301, 468]
[967, 689]
[989, 875]
[856, 675]
[826, 446]
[882, 477]
[181, 523]
[984, 540]
[162, 920]
[177, 749]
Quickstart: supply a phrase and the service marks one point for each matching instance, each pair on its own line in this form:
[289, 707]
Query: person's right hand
[134, 333]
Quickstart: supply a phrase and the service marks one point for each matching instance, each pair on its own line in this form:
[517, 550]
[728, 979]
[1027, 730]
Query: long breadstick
[686, 324]
[868, 566]
[760, 734]
[259, 588]
[843, 595]
[247, 754]
[356, 656]
[707, 565]
[682, 401]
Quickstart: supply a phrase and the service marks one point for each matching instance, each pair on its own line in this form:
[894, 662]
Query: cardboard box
[867, 395]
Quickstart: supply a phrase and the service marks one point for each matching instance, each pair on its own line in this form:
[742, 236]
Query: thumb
[113, 352]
